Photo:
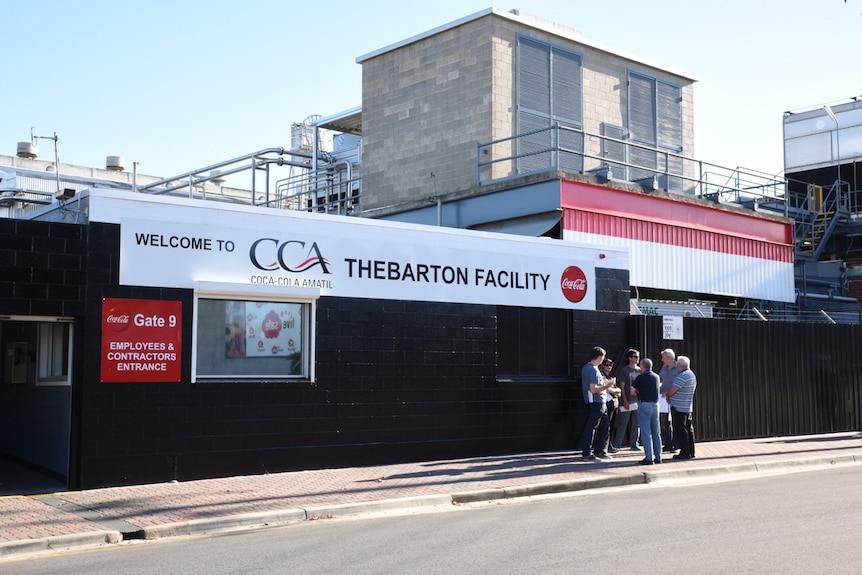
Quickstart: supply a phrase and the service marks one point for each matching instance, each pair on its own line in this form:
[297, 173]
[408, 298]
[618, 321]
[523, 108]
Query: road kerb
[59, 542]
[697, 472]
[823, 461]
[547, 488]
[760, 467]
[478, 496]
[574, 485]
[224, 523]
[353, 509]
[262, 518]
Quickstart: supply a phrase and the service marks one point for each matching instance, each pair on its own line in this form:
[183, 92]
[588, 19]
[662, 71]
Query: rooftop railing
[565, 148]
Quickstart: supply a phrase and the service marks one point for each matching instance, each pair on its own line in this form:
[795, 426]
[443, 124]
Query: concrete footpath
[60, 521]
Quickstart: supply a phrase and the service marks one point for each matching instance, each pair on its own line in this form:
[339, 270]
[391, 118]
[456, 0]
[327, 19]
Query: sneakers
[612, 449]
[589, 457]
[636, 447]
[647, 462]
[602, 455]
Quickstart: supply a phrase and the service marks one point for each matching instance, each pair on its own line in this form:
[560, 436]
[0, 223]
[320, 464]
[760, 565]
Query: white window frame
[43, 348]
[228, 291]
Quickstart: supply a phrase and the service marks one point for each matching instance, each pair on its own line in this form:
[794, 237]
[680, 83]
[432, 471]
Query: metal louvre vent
[655, 120]
[530, 157]
[642, 111]
[614, 151]
[550, 92]
[669, 115]
[566, 90]
[571, 146]
[534, 76]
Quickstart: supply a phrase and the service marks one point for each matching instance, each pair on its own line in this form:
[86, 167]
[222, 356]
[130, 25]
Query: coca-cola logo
[573, 284]
[118, 321]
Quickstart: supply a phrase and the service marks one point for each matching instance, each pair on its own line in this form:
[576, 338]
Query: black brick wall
[613, 290]
[396, 381]
[43, 268]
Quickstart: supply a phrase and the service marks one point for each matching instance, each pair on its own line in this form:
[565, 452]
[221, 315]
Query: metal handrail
[257, 159]
[709, 181]
[333, 189]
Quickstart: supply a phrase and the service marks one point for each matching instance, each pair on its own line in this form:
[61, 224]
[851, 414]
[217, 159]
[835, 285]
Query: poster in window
[234, 329]
[262, 329]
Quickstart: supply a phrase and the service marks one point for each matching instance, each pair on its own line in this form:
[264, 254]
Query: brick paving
[34, 517]
[28, 518]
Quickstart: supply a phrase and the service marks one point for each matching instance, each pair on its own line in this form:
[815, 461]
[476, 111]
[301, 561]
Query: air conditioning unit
[7, 199]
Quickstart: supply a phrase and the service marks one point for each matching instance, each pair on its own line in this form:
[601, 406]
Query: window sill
[243, 382]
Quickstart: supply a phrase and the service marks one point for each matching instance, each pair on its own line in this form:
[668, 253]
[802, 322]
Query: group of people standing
[661, 402]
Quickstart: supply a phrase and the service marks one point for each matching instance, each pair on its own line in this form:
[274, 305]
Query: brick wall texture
[428, 104]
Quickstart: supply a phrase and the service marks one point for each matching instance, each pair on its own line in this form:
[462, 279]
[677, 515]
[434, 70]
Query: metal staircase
[815, 223]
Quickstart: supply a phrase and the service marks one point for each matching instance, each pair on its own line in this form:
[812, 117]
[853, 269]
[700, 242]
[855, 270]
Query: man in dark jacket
[647, 387]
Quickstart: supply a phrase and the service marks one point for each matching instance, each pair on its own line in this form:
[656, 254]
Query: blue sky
[181, 85]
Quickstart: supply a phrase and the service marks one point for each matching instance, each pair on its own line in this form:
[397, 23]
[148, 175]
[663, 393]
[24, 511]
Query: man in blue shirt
[595, 389]
[647, 387]
[681, 399]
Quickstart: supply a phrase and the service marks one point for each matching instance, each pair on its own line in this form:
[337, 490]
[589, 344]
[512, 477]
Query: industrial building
[418, 277]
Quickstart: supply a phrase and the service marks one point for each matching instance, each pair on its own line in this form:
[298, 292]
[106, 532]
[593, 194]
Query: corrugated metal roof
[684, 244]
[675, 235]
[676, 210]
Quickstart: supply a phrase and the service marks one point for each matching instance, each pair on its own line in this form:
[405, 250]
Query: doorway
[36, 394]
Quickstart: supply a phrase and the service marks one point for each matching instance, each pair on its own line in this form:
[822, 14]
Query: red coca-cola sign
[573, 284]
[141, 340]
[117, 321]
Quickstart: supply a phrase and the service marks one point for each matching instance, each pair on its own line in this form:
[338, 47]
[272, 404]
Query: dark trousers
[683, 432]
[613, 411]
[596, 431]
[667, 438]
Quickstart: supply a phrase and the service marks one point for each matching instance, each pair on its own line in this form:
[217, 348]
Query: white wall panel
[664, 266]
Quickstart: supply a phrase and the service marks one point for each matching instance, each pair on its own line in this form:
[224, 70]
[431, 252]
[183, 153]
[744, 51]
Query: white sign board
[671, 327]
[344, 257]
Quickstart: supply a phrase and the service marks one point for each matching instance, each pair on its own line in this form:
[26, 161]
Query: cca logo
[573, 284]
